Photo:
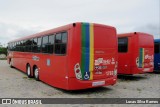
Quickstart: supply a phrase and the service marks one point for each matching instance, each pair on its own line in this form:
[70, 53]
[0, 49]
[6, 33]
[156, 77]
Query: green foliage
[3, 58]
[3, 50]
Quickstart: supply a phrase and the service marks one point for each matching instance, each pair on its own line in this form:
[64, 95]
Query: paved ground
[14, 83]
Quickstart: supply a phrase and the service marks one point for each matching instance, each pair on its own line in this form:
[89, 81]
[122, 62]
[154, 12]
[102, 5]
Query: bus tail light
[77, 71]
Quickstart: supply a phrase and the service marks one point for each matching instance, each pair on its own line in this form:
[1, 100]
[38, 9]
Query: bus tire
[10, 63]
[28, 71]
[36, 73]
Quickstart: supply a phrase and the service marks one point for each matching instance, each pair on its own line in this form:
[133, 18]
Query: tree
[3, 50]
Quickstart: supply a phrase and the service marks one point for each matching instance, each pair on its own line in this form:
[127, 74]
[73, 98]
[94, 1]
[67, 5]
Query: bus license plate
[98, 83]
[146, 69]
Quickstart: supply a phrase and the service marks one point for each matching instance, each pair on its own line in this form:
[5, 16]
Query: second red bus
[135, 53]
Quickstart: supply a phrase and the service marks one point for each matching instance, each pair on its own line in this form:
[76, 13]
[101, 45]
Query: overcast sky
[19, 18]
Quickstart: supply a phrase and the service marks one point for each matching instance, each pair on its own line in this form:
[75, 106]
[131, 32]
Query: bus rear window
[156, 48]
[122, 45]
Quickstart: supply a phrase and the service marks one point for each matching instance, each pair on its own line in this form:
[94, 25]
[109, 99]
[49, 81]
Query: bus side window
[60, 43]
[51, 44]
[34, 45]
[39, 44]
[23, 45]
[64, 43]
[18, 48]
[12, 46]
[122, 45]
[57, 42]
[28, 45]
[15, 46]
[44, 44]
[156, 48]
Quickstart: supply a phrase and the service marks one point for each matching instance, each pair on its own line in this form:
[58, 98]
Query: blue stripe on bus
[87, 43]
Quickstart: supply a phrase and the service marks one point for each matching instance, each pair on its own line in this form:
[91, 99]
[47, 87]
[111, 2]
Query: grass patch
[3, 58]
[30, 78]
[25, 77]
[138, 89]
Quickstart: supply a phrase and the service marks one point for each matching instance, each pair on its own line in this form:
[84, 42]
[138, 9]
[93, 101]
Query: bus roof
[55, 30]
[132, 34]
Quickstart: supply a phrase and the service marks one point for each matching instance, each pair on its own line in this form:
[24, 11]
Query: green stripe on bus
[140, 57]
[83, 51]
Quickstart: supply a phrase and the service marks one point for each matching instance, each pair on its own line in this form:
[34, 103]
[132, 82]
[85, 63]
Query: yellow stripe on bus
[143, 58]
[91, 67]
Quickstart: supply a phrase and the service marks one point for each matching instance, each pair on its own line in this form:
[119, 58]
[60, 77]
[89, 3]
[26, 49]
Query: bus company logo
[98, 72]
[149, 57]
[113, 61]
[98, 67]
[35, 58]
[109, 73]
[105, 62]
[99, 52]
[6, 101]
[100, 61]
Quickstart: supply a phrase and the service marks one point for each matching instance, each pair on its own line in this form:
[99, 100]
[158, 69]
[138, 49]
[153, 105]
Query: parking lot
[14, 83]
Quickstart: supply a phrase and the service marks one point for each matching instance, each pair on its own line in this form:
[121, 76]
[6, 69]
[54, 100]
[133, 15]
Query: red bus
[135, 53]
[71, 57]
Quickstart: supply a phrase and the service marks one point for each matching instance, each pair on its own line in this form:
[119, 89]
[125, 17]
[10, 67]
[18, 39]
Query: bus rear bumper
[75, 84]
[135, 70]
[143, 70]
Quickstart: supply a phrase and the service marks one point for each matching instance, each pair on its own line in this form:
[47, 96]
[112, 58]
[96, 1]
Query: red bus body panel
[61, 73]
[128, 63]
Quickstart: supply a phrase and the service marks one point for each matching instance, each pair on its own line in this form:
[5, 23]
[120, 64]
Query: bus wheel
[29, 71]
[10, 63]
[36, 73]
